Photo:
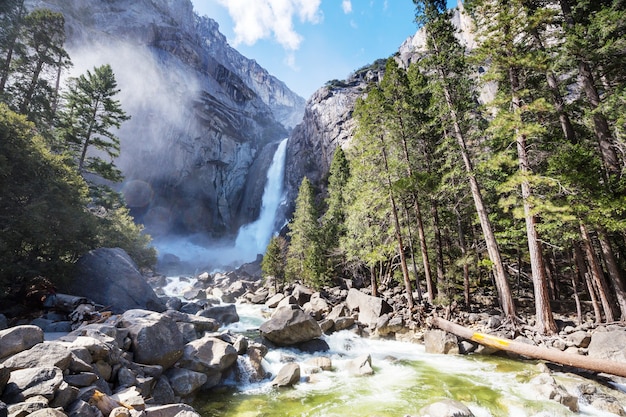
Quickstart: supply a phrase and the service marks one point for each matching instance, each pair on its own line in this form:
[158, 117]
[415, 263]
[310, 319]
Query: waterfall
[252, 238]
[196, 253]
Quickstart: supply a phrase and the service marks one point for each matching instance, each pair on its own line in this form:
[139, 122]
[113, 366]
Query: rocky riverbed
[141, 362]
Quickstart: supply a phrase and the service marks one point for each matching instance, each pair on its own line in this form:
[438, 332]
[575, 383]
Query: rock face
[289, 325]
[109, 277]
[202, 113]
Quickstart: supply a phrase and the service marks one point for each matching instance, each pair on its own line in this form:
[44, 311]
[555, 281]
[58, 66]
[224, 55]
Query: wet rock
[290, 325]
[600, 400]
[313, 346]
[17, 339]
[440, 342]
[155, 337]
[208, 355]
[446, 408]
[547, 387]
[370, 308]
[224, 314]
[109, 277]
[288, 376]
[322, 362]
[361, 365]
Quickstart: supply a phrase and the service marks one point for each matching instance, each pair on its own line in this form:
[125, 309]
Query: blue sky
[308, 42]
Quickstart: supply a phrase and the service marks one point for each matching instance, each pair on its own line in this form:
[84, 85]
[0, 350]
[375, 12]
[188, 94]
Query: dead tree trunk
[536, 352]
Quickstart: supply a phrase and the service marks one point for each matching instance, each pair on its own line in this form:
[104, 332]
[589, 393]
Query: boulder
[208, 355]
[608, 345]
[302, 294]
[579, 339]
[370, 308]
[224, 314]
[155, 338]
[26, 383]
[288, 376]
[361, 365]
[317, 307]
[273, 301]
[289, 325]
[109, 277]
[43, 354]
[547, 387]
[446, 408]
[19, 338]
[440, 342]
[184, 381]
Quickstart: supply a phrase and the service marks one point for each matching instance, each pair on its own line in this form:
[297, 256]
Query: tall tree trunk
[596, 273]
[398, 232]
[30, 91]
[601, 126]
[574, 281]
[463, 247]
[415, 273]
[373, 281]
[430, 288]
[585, 275]
[434, 212]
[502, 285]
[614, 272]
[545, 320]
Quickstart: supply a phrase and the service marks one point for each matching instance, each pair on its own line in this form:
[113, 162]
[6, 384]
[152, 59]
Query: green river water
[405, 380]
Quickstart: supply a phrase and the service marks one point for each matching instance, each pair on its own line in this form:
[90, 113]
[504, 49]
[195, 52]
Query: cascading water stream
[405, 379]
[252, 238]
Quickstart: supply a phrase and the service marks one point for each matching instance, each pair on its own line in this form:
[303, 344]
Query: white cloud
[347, 6]
[263, 19]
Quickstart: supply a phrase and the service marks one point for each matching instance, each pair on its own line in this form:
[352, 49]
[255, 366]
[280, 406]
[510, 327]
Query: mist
[198, 253]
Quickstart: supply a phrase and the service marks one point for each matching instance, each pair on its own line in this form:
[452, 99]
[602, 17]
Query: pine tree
[305, 255]
[11, 15]
[37, 66]
[451, 85]
[90, 114]
[274, 260]
[333, 220]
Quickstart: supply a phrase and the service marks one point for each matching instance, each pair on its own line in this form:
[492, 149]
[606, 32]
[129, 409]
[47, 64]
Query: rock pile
[145, 362]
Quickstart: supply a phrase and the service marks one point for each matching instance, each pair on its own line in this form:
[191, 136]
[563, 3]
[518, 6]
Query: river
[405, 380]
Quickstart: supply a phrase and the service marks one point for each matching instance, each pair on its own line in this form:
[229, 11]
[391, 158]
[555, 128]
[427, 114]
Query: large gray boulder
[26, 383]
[43, 354]
[109, 277]
[608, 345]
[19, 338]
[155, 337]
[370, 308]
[289, 325]
[208, 355]
[288, 376]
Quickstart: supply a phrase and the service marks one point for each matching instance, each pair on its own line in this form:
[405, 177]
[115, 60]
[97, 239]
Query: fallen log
[531, 351]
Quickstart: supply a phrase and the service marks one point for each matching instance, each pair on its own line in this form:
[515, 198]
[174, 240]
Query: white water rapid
[405, 379]
[196, 253]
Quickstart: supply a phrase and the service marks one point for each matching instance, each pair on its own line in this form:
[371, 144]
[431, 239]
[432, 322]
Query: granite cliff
[203, 115]
[328, 121]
